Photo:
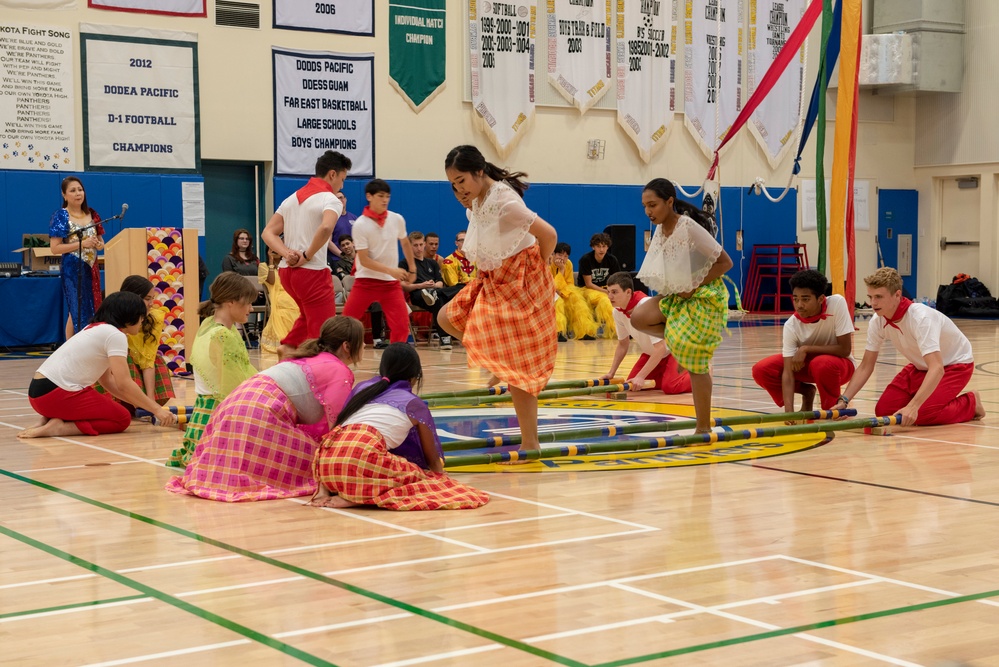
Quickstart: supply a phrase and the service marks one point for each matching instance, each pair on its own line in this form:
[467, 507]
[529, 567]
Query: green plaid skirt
[162, 383]
[694, 326]
[196, 423]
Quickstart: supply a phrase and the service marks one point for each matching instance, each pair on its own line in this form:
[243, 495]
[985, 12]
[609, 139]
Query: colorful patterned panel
[165, 252]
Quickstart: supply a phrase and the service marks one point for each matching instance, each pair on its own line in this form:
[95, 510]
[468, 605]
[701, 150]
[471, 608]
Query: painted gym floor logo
[554, 416]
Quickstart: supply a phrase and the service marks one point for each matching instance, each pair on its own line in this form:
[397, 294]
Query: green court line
[149, 591]
[357, 590]
[75, 605]
[797, 629]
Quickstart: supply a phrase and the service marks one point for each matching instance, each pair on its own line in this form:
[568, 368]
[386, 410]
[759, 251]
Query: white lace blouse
[679, 262]
[497, 228]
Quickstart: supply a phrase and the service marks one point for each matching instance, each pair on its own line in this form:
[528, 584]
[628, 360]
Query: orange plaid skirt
[508, 320]
[354, 463]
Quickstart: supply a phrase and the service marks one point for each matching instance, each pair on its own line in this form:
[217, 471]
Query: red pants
[312, 290]
[826, 371]
[667, 374]
[944, 406]
[389, 294]
[92, 412]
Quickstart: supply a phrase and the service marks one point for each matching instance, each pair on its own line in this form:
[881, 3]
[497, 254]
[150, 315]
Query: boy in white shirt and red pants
[817, 351]
[377, 273]
[926, 392]
[306, 220]
[656, 362]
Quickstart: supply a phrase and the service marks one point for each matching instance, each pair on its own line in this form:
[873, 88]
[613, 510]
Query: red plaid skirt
[354, 463]
[508, 320]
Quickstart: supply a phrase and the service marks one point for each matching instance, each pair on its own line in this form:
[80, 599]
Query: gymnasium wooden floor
[867, 550]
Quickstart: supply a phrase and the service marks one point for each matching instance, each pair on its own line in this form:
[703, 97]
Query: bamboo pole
[183, 413]
[498, 390]
[548, 393]
[678, 425]
[670, 442]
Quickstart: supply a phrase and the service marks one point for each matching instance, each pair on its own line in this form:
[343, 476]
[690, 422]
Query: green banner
[417, 49]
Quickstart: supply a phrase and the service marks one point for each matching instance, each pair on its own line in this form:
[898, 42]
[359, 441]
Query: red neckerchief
[903, 306]
[635, 298]
[379, 218]
[815, 318]
[313, 187]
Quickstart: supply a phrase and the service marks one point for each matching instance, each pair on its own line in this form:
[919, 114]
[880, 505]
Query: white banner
[861, 204]
[140, 99]
[353, 17]
[37, 125]
[38, 4]
[501, 40]
[172, 7]
[712, 85]
[646, 71]
[579, 63]
[770, 24]
[323, 101]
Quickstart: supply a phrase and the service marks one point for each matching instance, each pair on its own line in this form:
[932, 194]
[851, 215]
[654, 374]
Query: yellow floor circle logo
[457, 424]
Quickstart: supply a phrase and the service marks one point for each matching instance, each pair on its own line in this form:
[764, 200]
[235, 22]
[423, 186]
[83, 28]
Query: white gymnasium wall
[237, 122]
[955, 137]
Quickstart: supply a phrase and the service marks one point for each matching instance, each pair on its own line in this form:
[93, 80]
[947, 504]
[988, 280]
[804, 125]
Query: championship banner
[773, 122]
[352, 17]
[140, 99]
[417, 55]
[37, 125]
[38, 4]
[323, 101]
[646, 72]
[712, 84]
[579, 54]
[501, 40]
[169, 7]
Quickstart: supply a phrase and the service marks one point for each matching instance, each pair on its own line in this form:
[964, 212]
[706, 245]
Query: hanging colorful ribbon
[769, 80]
[844, 149]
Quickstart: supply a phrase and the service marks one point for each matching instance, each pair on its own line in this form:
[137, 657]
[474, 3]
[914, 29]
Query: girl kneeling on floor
[385, 450]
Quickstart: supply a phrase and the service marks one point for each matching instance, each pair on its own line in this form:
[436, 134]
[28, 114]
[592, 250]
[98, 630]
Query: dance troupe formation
[301, 427]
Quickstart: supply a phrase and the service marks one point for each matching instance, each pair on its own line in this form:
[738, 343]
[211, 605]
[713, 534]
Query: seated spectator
[428, 289]
[241, 258]
[595, 267]
[344, 227]
[572, 313]
[456, 269]
[433, 243]
[344, 264]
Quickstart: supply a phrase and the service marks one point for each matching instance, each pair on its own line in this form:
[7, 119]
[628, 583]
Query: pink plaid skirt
[252, 449]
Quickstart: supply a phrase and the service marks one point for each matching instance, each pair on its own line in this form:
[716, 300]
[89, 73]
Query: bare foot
[808, 398]
[52, 428]
[521, 461]
[331, 501]
[493, 381]
[979, 408]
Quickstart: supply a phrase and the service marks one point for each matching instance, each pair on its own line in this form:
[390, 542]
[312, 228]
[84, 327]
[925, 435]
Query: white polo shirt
[923, 330]
[302, 221]
[645, 341]
[83, 359]
[824, 332]
[382, 243]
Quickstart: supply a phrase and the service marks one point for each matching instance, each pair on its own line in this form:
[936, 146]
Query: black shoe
[381, 344]
[562, 338]
[587, 338]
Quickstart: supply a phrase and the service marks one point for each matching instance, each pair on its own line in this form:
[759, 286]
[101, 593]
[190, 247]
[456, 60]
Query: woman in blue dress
[81, 281]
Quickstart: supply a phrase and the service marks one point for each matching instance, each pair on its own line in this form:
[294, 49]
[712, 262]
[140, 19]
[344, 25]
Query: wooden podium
[128, 254]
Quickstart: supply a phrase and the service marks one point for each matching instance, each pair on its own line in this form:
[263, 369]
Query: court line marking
[54, 580]
[89, 446]
[441, 656]
[536, 503]
[32, 614]
[169, 654]
[110, 463]
[904, 436]
[763, 625]
[171, 600]
[357, 590]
